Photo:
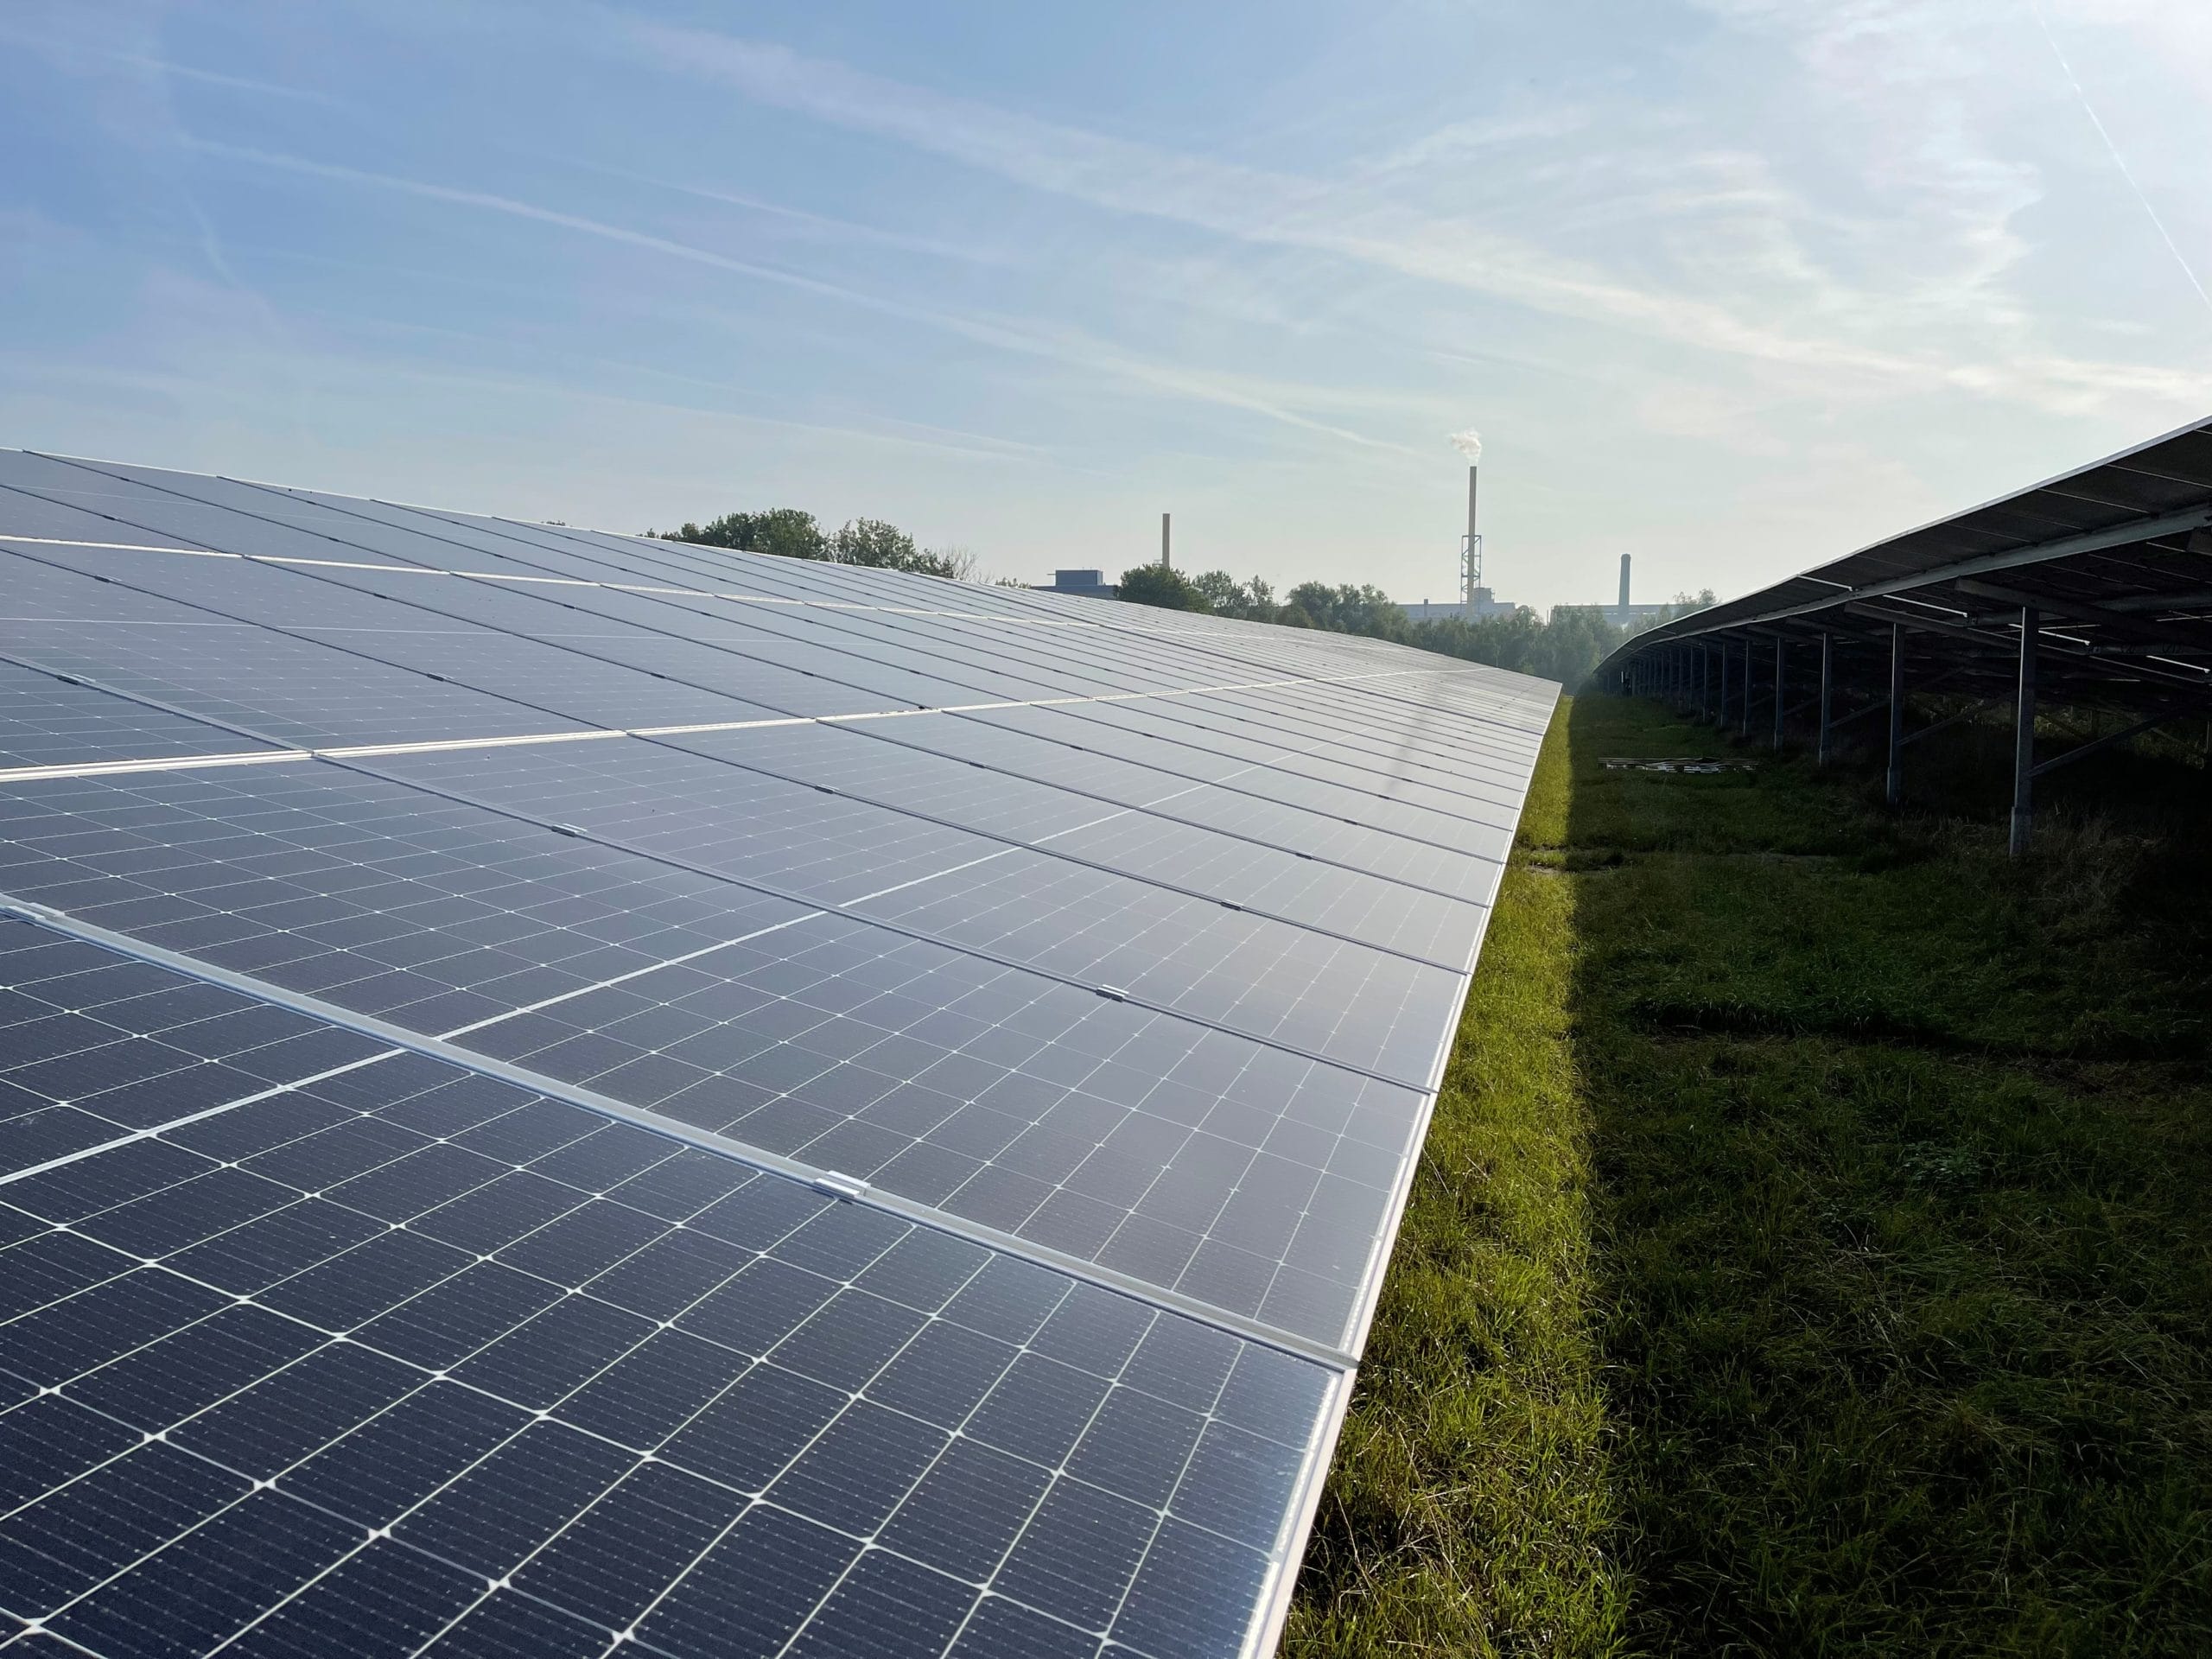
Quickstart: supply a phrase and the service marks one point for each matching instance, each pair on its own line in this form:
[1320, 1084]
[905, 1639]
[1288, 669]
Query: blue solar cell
[419, 1270]
[772, 1416]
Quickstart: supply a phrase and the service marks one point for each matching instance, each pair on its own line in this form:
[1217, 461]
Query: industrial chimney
[1470, 444]
[1471, 554]
[1624, 585]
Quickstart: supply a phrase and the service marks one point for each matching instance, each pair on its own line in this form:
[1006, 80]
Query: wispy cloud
[2119, 161]
[83, 42]
[1065, 346]
[229, 83]
[1258, 207]
[825, 224]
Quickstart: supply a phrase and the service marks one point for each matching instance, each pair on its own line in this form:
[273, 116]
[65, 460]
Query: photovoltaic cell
[406, 1362]
[47, 720]
[1193, 1157]
[406, 1236]
[297, 690]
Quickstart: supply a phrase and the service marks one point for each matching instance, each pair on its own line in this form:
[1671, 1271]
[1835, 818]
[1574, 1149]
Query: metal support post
[1827, 680]
[2024, 736]
[1721, 709]
[1704, 682]
[1744, 726]
[1896, 713]
[1777, 694]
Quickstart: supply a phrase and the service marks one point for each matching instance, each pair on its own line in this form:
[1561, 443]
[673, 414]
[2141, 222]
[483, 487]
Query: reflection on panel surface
[386, 1340]
[1194, 1157]
[599, 1094]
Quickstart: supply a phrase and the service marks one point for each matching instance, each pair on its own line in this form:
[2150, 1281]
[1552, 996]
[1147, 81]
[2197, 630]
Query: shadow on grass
[1808, 1255]
[1899, 1272]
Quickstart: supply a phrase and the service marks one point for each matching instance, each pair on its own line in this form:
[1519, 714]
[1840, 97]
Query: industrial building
[1481, 604]
[1087, 584]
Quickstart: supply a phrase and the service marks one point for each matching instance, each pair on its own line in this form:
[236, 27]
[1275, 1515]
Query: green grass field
[1813, 1252]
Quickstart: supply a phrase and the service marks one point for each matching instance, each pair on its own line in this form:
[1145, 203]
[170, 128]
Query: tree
[882, 546]
[1347, 609]
[788, 532]
[1159, 584]
[791, 533]
[1681, 605]
[1253, 601]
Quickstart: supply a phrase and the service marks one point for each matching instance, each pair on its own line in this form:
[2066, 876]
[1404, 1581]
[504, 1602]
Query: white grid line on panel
[1161, 1297]
[95, 769]
[532, 1414]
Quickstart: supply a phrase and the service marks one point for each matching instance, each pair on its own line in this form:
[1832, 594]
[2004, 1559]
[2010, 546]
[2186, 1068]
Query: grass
[1811, 1253]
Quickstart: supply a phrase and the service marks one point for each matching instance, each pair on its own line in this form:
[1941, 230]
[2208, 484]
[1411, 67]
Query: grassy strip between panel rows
[1810, 1255]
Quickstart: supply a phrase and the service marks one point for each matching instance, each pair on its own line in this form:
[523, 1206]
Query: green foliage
[1808, 1255]
[880, 546]
[1471, 1510]
[1681, 605]
[1253, 601]
[1346, 609]
[1157, 584]
[788, 532]
[873, 543]
[792, 533]
[1564, 648]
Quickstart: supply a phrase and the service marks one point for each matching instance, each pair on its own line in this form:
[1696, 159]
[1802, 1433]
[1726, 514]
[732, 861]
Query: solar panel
[561, 1092]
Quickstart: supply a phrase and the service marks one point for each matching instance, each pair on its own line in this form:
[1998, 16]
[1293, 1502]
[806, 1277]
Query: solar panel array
[562, 1093]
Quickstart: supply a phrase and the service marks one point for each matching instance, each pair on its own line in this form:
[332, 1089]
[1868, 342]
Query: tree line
[1564, 646]
[794, 533]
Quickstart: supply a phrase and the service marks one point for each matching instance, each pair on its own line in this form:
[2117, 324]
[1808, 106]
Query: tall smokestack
[1165, 562]
[1624, 581]
[1470, 444]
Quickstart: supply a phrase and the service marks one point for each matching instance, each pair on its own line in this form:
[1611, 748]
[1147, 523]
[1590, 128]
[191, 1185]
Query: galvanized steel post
[1828, 653]
[2024, 736]
[1777, 693]
[1896, 786]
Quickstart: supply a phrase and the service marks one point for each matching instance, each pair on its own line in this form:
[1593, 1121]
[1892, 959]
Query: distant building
[1486, 605]
[1091, 584]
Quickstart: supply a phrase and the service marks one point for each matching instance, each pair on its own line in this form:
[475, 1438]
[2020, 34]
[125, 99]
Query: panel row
[1202, 1161]
[369, 1352]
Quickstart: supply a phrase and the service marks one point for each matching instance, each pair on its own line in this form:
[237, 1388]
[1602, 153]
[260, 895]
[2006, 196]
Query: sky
[1733, 285]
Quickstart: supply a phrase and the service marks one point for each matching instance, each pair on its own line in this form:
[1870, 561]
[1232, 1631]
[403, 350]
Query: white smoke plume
[1469, 443]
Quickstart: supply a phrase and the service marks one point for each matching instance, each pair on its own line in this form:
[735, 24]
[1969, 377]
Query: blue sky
[1733, 285]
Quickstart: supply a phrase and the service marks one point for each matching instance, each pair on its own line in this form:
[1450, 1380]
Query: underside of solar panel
[568, 1094]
